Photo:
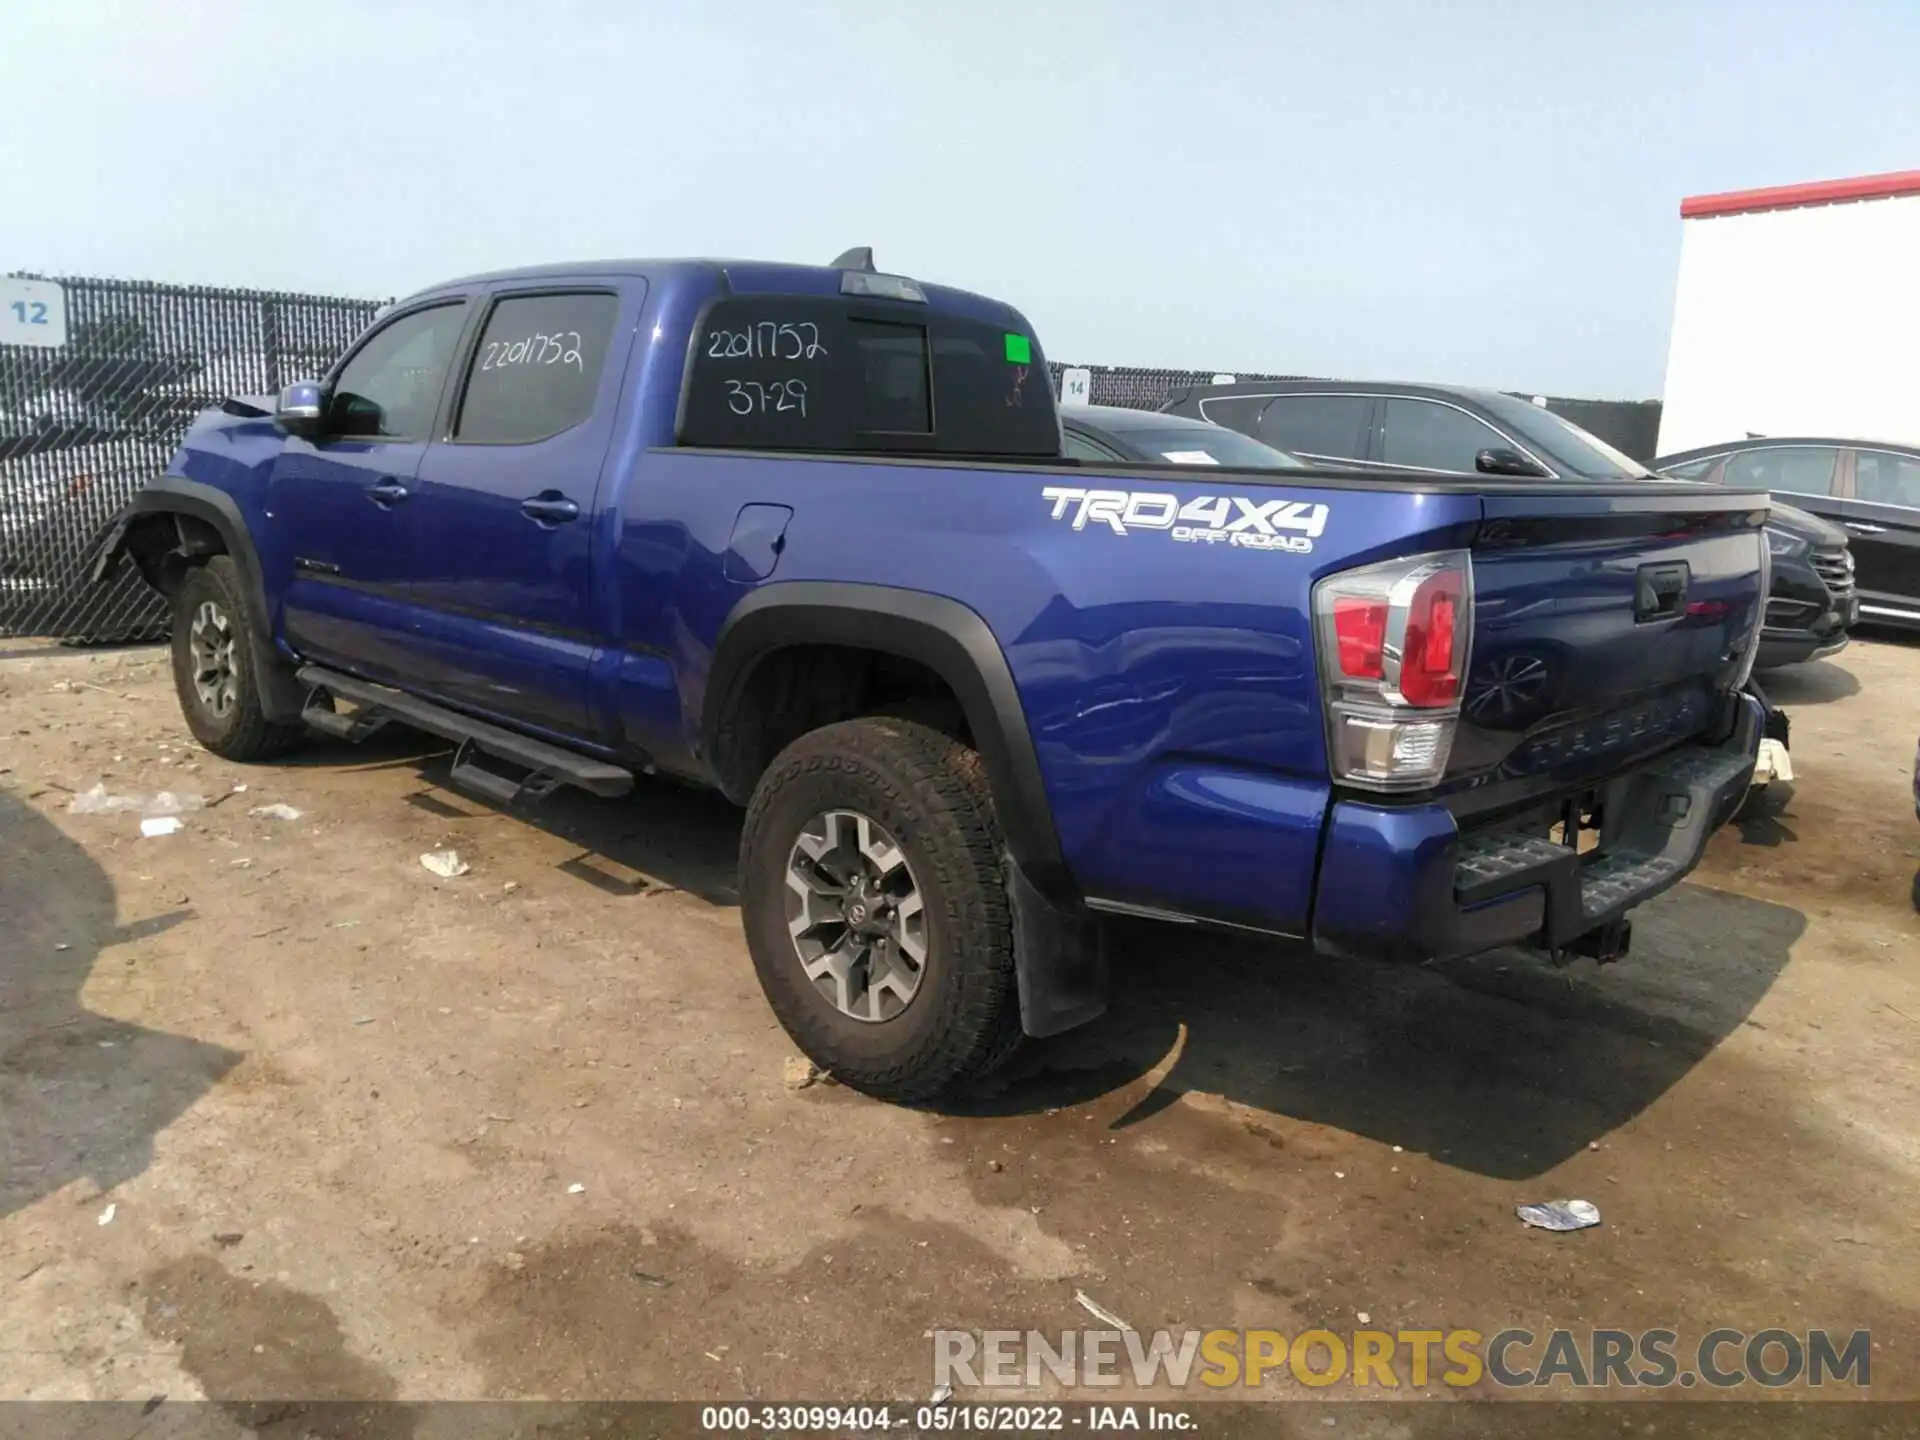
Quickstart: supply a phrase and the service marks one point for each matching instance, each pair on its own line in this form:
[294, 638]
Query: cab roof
[743, 276]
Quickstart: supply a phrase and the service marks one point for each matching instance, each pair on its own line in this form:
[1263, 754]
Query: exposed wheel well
[799, 688]
[165, 545]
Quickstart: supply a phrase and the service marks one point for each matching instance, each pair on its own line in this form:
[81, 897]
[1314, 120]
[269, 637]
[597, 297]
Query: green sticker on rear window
[1019, 350]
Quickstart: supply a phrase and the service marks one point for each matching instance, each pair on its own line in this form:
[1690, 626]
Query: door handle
[550, 508]
[387, 492]
[1861, 529]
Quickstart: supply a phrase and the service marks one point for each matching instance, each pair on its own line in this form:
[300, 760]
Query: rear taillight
[1393, 645]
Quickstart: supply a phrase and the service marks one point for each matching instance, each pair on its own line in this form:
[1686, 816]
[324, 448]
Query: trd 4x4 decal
[1286, 525]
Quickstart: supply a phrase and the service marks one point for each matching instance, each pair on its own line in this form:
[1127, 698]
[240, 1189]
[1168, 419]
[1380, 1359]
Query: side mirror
[302, 409]
[1499, 460]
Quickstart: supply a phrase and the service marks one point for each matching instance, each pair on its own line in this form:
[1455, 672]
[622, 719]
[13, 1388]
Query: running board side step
[548, 766]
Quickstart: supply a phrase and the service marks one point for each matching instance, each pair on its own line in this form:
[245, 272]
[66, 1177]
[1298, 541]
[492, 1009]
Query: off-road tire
[931, 794]
[243, 733]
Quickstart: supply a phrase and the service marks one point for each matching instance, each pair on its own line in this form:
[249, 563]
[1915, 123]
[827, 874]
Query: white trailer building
[1797, 313]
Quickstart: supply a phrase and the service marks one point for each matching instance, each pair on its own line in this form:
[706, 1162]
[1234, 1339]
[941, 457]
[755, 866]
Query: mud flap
[1059, 956]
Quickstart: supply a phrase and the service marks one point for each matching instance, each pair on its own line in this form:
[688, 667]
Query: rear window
[1237, 412]
[1692, 469]
[822, 373]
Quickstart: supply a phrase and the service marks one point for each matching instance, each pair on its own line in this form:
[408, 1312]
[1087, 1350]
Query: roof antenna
[858, 258]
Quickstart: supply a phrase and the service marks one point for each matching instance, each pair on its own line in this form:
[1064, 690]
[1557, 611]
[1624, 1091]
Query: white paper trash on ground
[159, 825]
[445, 863]
[1560, 1215]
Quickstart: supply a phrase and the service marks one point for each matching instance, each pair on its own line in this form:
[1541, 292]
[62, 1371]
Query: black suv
[1408, 427]
[1871, 490]
[1389, 427]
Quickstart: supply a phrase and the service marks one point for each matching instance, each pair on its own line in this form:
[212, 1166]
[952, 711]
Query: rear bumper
[1405, 884]
[1796, 647]
[1811, 604]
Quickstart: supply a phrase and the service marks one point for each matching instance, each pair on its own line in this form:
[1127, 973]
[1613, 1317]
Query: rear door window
[537, 368]
[1425, 435]
[1332, 427]
[1883, 479]
[1793, 469]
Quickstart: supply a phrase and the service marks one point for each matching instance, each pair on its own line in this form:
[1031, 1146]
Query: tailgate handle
[1659, 590]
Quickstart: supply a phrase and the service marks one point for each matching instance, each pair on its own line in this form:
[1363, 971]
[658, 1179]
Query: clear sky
[1453, 190]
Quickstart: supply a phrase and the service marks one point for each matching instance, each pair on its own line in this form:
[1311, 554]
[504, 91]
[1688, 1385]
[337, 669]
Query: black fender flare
[281, 696]
[1061, 962]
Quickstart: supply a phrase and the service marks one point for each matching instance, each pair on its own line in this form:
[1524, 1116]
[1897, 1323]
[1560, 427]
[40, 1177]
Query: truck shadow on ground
[1818, 683]
[1501, 1065]
[82, 1096]
[1763, 821]
[664, 836]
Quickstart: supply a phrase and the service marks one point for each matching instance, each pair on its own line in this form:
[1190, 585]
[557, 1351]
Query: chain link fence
[86, 424]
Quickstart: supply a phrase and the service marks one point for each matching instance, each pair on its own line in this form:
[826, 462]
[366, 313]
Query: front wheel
[875, 911]
[213, 667]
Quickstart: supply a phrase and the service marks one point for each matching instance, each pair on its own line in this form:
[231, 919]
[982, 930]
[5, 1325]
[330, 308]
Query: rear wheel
[874, 908]
[213, 667]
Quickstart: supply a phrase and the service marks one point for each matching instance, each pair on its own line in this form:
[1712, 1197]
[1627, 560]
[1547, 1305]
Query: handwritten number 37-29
[30, 312]
[750, 397]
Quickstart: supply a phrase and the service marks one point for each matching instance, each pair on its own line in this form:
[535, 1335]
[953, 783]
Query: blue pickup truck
[806, 535]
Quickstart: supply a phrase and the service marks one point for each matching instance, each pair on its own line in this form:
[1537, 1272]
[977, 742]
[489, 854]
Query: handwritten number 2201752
[748, 397]
[535, 350]
[768, 340]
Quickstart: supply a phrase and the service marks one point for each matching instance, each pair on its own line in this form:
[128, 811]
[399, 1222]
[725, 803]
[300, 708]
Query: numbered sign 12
[32, 312]
[1076, 387]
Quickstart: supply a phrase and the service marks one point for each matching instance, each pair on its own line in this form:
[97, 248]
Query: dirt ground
[283, 1115]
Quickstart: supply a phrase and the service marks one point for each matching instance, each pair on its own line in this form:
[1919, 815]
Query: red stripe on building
[1786, 197]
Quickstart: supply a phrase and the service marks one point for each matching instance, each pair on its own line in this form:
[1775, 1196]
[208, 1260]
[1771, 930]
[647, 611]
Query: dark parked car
[1811, 604]
[1396, 427]
[1870, 489]
[1107, 433]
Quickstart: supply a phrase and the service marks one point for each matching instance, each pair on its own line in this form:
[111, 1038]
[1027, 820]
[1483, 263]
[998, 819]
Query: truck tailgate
[1608, 623]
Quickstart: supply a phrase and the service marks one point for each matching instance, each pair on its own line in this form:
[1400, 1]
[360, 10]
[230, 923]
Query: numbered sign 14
[32, 312]
[1076, 387]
